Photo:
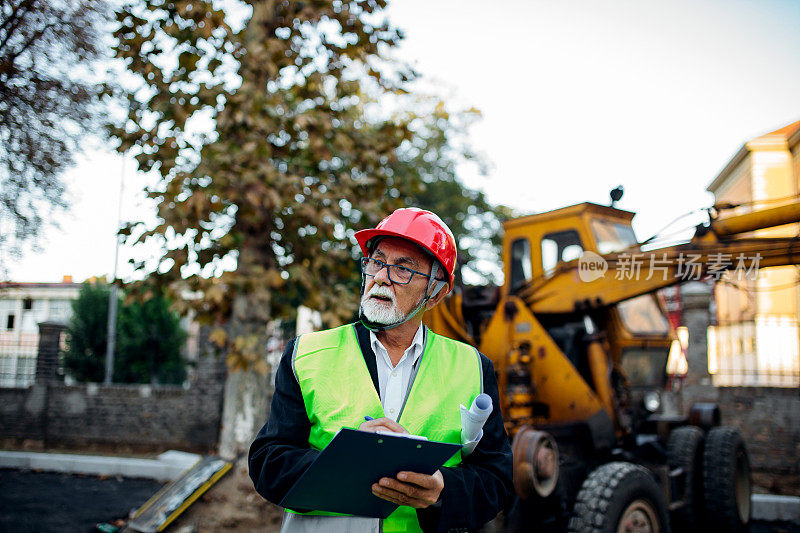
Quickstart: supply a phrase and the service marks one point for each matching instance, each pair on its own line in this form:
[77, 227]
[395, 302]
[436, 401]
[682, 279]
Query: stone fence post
[696, 299]
[49, 347]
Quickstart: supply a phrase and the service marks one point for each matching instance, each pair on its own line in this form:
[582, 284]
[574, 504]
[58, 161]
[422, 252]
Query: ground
[45, 501]
[50, 502]
[231, 505]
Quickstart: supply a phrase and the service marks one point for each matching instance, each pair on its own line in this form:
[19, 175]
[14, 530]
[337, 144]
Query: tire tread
[590, 513]
[685, 450]
[719, 474]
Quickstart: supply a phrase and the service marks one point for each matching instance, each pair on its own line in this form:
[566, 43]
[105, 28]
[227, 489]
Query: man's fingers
[422, 480]
[377, 427]
[391, 496]
[399, 497]
[408, 489]
[409, 493]
[391, 424]
[382, 424]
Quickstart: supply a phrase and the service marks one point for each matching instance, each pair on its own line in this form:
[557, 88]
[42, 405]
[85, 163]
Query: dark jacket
[474, 491]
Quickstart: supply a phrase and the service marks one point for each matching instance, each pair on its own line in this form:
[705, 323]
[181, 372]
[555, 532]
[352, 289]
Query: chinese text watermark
[684, 266]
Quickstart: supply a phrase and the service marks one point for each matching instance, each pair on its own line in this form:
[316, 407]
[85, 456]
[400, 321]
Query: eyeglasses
[397, 273]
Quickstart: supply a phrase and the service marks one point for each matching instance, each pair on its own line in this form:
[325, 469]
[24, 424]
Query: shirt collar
[416, 348]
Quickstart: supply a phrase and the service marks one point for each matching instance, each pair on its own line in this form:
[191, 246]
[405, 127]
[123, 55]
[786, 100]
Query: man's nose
[382, 276]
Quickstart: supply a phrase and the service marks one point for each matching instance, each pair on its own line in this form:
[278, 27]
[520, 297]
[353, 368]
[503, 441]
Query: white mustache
[381, 290]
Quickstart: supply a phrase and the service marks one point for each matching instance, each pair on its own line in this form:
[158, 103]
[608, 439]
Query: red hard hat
[420, 227]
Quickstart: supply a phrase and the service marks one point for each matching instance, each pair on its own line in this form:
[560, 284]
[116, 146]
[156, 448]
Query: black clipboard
[340, 478]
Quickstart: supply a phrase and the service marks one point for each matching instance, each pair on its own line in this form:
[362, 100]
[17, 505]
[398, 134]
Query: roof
[793, 139]
[571, 211]
[785, 132]
[785, 137]
[31, 285]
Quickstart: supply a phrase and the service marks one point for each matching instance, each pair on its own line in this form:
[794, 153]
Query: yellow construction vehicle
[580, 344]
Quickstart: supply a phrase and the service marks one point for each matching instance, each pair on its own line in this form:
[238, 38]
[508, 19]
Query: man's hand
[382, 424]
[410, 488]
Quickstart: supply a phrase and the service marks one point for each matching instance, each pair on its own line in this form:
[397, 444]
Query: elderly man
[390, 367]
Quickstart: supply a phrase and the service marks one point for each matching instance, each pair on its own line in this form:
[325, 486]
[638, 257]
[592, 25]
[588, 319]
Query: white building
[757, 337]
[22, 307]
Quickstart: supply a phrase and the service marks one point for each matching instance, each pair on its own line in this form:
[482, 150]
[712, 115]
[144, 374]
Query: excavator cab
[535, 245]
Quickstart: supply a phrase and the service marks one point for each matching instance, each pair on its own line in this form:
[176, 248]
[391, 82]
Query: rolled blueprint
[472, 421]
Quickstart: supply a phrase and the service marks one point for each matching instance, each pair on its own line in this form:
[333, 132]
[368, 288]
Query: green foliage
[432, 160]
[88, 333]
[148, 346]
[293, 167]
[149, 343]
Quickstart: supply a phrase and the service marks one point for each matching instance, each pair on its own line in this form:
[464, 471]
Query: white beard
[379, 312]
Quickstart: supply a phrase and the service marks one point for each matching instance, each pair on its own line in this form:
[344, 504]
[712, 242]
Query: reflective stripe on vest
[338, 392]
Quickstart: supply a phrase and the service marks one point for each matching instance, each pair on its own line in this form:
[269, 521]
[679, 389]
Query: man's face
[385, 302]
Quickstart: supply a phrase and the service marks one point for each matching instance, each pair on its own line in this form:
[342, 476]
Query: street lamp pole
[112, 295]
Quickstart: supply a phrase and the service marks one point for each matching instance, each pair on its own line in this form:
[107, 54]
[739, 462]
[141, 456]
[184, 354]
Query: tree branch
[37, 35]
[27, 4]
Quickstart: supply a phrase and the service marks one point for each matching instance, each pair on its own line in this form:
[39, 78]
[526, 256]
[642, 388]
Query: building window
[27, 304]
[60, 310]
[10, 322]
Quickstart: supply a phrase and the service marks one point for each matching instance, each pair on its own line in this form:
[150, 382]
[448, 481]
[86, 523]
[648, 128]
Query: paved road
[46, 501]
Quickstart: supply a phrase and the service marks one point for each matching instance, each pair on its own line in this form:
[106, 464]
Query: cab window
[642, 315]
[645, 366]
[612, 236]
[560, 247]
[520, 263]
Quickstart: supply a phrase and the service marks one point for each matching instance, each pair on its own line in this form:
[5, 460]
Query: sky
[577, 97]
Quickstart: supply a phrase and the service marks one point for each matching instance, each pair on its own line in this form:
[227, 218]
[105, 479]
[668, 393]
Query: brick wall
[141, 417]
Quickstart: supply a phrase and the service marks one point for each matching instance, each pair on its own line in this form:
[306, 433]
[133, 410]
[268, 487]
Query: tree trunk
[244, 410]
[247, 391]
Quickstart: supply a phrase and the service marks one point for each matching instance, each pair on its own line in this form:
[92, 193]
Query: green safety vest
[338, 392]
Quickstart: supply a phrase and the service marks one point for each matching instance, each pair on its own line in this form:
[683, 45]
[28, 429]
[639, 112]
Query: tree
[150, 343]
[46, 106]
[257, 216]
[149, 339]
[294, 163]
[87, 333]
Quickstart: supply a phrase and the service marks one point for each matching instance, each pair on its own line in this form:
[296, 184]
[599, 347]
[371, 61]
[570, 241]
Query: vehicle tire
[619, 497]
[685, 450]
[726, 480]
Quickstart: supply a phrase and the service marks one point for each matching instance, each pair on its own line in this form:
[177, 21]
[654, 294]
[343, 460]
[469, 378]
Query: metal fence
[759, 353]
[18, 352]
[743, 377]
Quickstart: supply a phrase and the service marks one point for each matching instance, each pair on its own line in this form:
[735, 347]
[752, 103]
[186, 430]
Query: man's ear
[439, 296]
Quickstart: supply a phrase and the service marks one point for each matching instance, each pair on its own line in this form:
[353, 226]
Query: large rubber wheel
[685, 451]
[619, 498]
[726, 480]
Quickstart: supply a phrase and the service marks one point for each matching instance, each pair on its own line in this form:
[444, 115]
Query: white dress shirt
[393, 380]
